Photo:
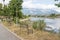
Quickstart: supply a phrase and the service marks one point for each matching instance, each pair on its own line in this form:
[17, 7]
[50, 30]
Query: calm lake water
[51, 24]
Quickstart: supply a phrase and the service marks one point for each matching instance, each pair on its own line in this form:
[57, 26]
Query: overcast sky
[40, 4]
[6, 1]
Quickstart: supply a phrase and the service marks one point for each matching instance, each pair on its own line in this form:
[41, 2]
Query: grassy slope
[37, 35]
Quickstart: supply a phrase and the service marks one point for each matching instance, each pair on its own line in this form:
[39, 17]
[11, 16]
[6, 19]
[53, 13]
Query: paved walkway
[6, 35]
[24, 19]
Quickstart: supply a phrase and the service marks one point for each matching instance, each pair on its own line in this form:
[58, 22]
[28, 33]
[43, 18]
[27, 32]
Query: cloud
[6, 1]
[57, 9]
[29, 4]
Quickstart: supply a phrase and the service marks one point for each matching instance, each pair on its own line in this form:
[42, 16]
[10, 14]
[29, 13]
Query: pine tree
[15, 8]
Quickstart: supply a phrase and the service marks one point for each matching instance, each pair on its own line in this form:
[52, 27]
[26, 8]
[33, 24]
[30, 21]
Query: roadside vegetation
[30, 31]
[39, 25]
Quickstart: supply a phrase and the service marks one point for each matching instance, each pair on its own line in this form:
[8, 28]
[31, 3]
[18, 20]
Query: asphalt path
[6, 35]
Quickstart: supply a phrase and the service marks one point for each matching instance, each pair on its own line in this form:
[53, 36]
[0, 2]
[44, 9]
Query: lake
[51, 24]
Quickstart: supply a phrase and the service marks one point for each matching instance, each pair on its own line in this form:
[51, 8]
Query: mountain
[33, 11]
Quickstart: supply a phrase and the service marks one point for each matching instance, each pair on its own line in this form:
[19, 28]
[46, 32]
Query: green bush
[40, 25]
[35, 25]
[16, 20]
[53, 15]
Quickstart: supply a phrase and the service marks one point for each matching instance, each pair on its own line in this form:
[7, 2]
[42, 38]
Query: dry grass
[37, 35]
